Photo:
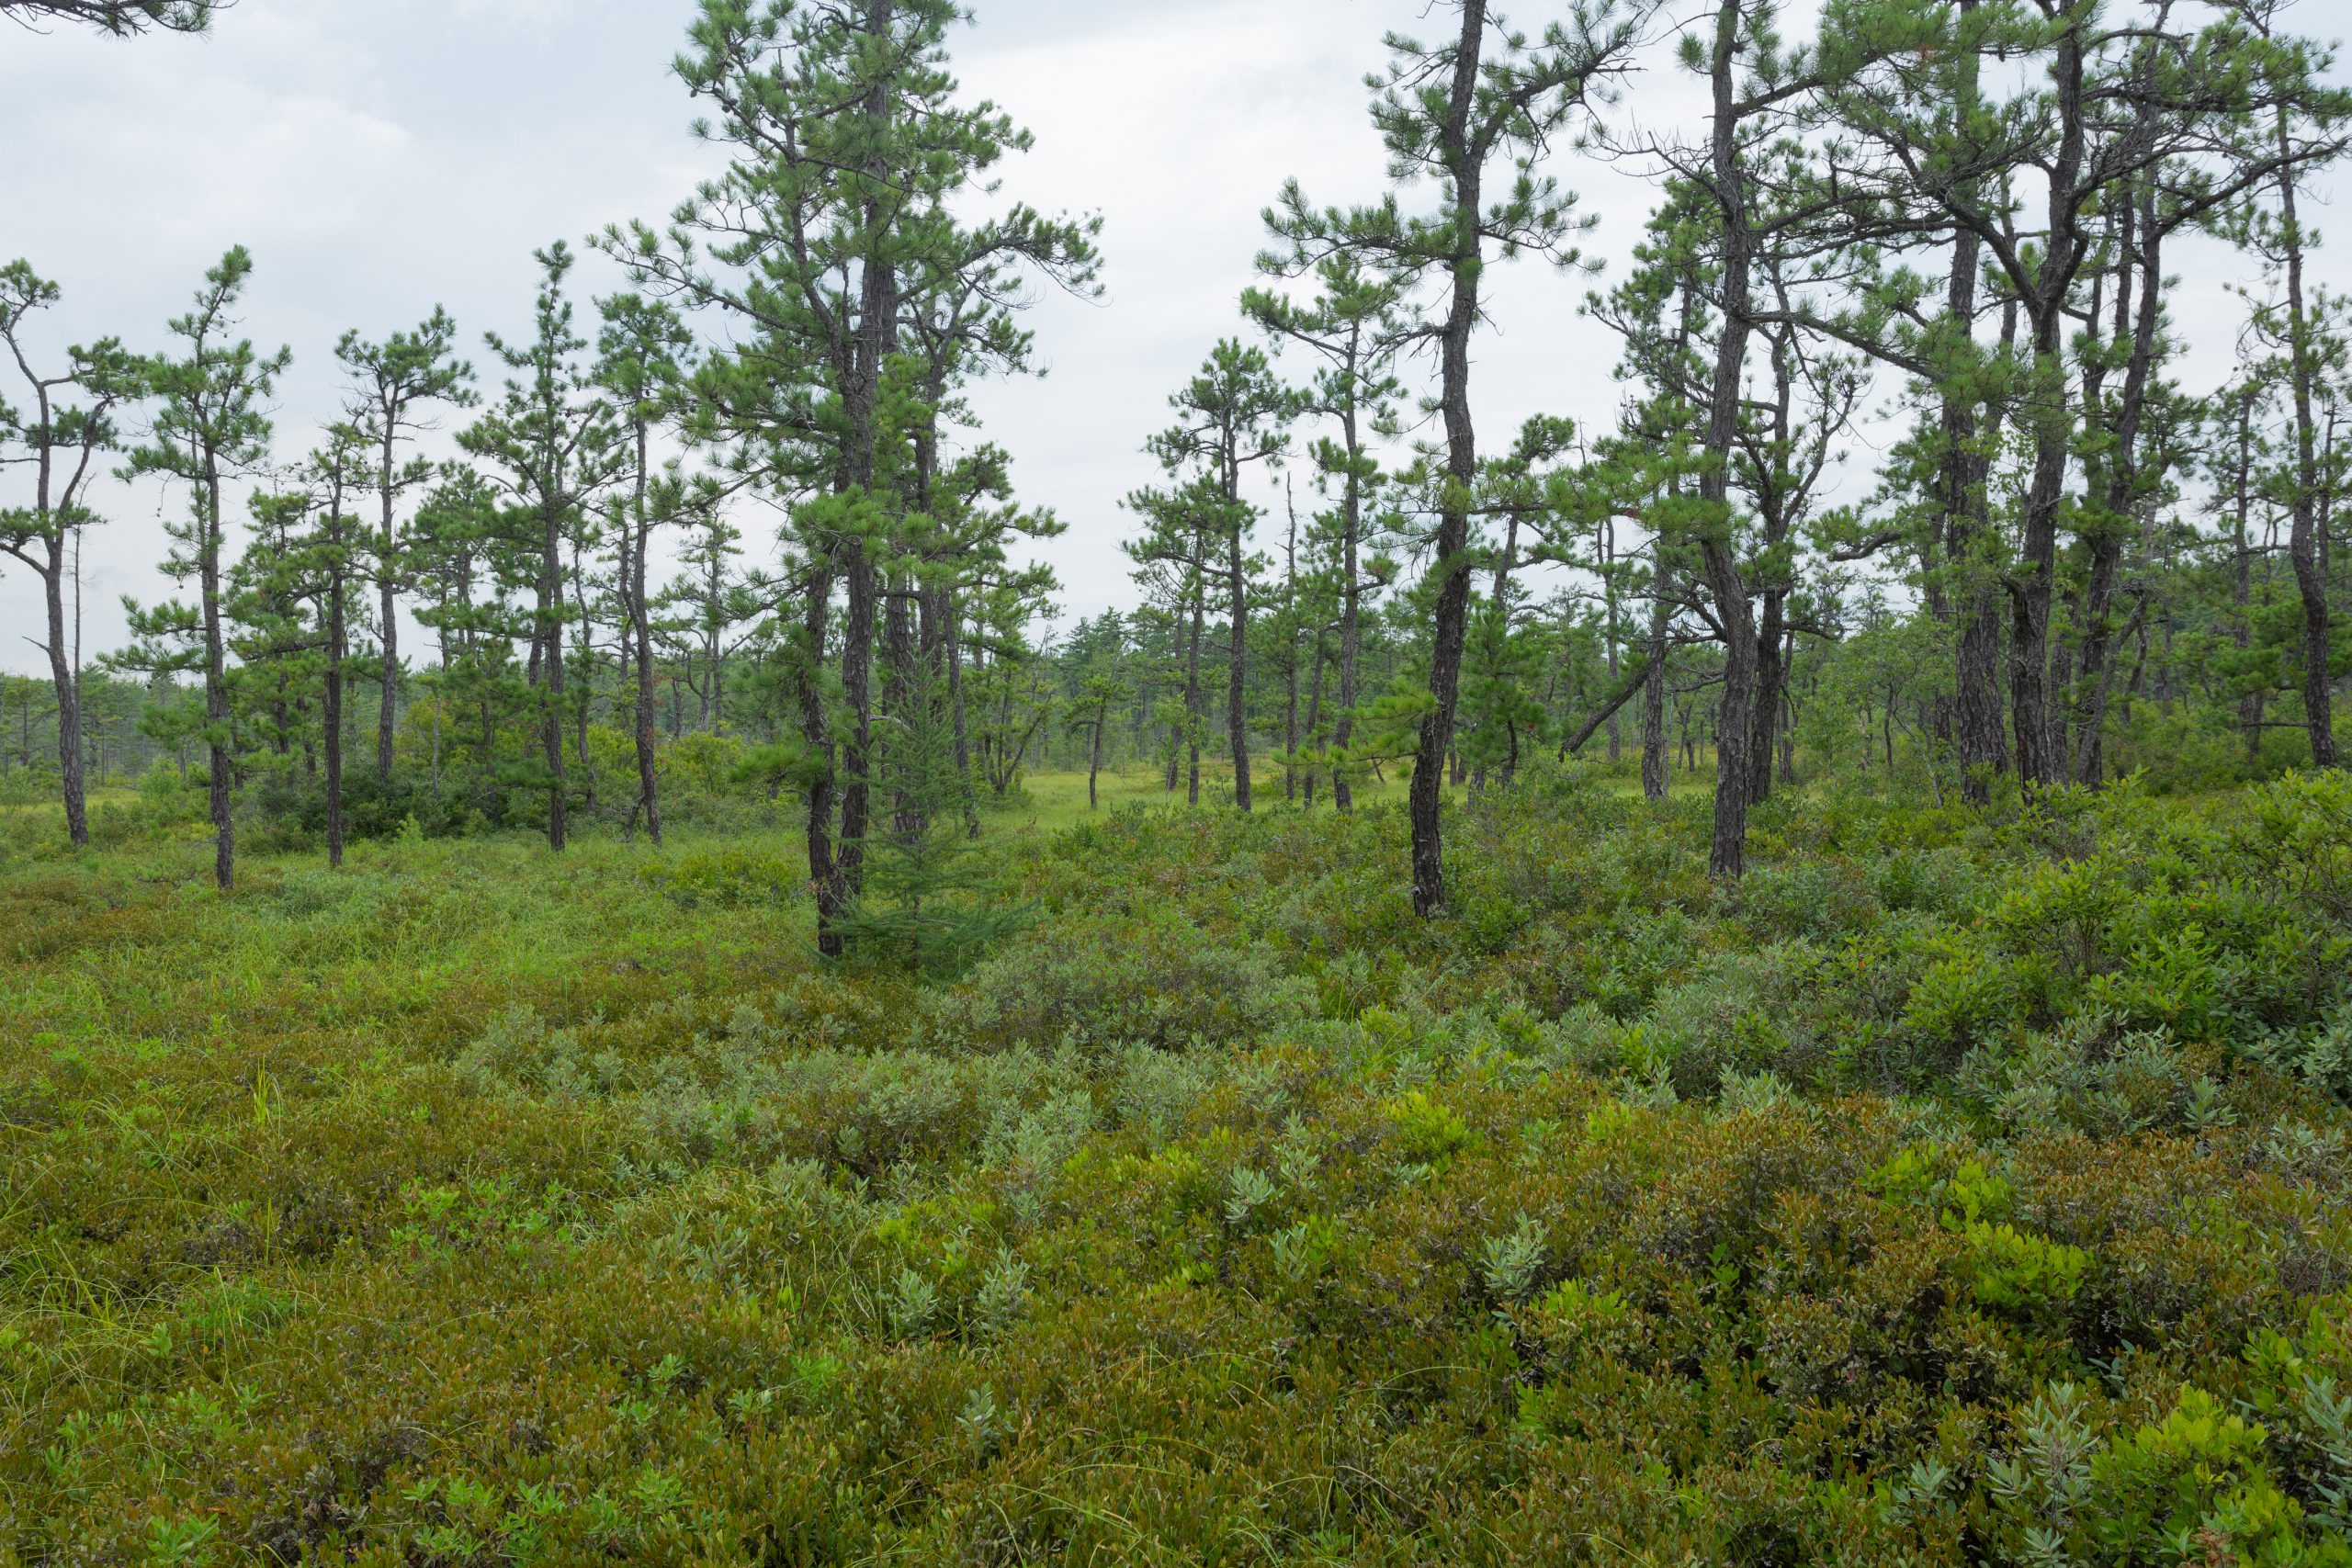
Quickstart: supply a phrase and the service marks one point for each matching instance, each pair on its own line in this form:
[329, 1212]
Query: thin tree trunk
[330, 718]
[1094, 758]
[952, 623]
[69, 706]
[1350, 616]
[899, 683]
[1290, 611]
[2108, 541]
[1771, 675]
[216, 687]
[1236, 718]
[388, 608]
[1314, 713]
[1608, 598]
[1654, 755]
[1192, 691]
[2302, 548]
[551, 619]
[641, 626]
[1427, 795]
[817, 739]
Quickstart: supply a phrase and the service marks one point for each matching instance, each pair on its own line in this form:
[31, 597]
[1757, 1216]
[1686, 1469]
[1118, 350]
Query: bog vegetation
[611, 985]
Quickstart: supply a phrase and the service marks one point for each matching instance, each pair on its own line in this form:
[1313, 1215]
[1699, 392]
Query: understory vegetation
[1962, 1186]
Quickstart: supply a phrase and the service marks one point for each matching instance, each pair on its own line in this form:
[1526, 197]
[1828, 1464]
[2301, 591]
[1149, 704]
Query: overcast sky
[380, 159]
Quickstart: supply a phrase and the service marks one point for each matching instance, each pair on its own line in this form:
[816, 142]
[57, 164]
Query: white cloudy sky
[380, 159]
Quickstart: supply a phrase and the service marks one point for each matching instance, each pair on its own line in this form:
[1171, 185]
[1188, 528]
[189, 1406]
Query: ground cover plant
[1761, 974]
[1961, 1187]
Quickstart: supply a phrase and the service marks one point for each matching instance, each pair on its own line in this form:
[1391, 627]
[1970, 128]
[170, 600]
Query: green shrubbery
[1959, 1190]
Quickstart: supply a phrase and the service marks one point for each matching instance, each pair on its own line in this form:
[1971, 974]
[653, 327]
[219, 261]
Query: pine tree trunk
[330, 718]
[1982, 742]
[215, 688]
[877, 340]
[550, 622]
[2040, 747]
[1609, 592]
[1654, 755]
[1719, 562]
[898, 680]
[2302, 548]
[1193, 694]
[1236, 716]
[1350, 621]
[1094, 758]
[1314, 714]
[1771, 675]
[1290, 714]
[387, 609]
[951, 632]
[69, 703]
[1426, 798]
[641, 628]
[2106, 542]
[816, 737]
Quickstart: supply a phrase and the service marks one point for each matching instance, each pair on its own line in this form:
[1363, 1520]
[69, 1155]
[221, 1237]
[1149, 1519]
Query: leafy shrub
[1158, 981]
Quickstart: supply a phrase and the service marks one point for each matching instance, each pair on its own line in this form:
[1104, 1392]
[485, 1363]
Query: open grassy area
[1959, 1190]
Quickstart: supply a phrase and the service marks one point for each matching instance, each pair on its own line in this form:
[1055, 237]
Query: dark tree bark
[1771, 676]
[67, 684]
[1465, 168]
[1350, 615]
[221, 758]
[63, 448]
[2242, 568]
[816, 736]
[551, 619]
[1192, 695]
[1964, 466]
[2043, 296]
[877, 341]
[2302, 548]
[1654, 756]
[1719, 563]
[640, 612]
[2095, 681]
[1236, 710]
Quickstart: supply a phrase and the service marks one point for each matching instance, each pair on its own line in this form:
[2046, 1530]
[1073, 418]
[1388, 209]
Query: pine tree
[335, 475]
[847, 150]
[552, 439]
[643, 355]
[208, 431]
[392, 382]
[60, 435]
[1450, 113]
[1233, 414]
[1353, 325]
[472, 558]
[1091, 712]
